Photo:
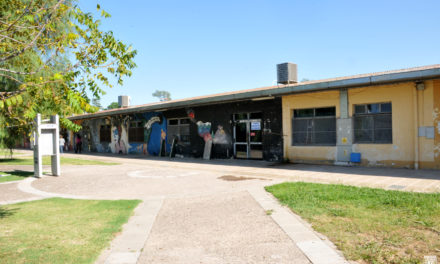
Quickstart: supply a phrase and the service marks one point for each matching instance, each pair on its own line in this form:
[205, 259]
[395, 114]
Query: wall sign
[256, 125]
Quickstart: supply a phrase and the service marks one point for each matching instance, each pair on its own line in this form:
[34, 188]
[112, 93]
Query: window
[136, 132]
[372, 123]
[105, 133]
[178, 127]
[314, 126]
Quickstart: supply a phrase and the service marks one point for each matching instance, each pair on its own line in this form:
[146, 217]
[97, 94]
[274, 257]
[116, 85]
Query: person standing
[78, 144]
[62, 143]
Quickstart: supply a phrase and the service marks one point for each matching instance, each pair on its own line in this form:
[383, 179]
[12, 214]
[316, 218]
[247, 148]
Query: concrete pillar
[344, 137]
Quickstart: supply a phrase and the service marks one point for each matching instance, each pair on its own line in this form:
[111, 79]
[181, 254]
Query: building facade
[394, 125]
[387, 119]
[246, 129]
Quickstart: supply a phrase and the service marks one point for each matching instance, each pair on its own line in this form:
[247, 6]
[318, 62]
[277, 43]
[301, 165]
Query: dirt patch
[238, 178]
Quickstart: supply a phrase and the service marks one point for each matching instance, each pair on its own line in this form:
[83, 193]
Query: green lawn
[46, 161]
[60, 230]
[368, 225]
[14, 175]
[6, 153]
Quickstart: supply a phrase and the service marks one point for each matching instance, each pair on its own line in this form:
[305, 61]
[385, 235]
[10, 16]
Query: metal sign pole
[55, 160]
[38, 158]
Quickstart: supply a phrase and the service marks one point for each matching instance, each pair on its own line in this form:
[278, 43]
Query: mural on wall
[191, 115]
[119, 143]
[204, 130]
[155, 132]
[90, 136]
[220, 136]
[149, 126]
[119, 134]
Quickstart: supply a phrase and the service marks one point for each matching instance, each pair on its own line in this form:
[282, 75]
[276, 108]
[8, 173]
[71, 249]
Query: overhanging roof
[388, 77]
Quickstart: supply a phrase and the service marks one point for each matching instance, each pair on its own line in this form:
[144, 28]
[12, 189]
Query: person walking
[62, 143]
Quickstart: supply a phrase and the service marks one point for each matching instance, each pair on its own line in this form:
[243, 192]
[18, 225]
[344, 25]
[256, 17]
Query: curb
[314, 248]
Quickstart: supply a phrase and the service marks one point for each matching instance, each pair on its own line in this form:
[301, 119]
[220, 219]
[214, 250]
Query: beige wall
[436, 120]
[402, 152]
[313, 154]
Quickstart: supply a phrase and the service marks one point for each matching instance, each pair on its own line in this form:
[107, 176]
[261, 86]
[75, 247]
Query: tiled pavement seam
[26, 186]
[126, 248]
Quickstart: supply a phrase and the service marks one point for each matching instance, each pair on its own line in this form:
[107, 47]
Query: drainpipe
[416, 128]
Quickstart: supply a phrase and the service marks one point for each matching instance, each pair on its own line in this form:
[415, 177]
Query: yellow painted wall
[401, 153]
[436, 121]
[312, 154]
[426, 107]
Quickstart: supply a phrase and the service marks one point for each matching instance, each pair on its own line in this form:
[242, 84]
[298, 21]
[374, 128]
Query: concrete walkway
[197, 211]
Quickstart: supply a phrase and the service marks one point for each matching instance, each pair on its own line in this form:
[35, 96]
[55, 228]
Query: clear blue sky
[192, 48]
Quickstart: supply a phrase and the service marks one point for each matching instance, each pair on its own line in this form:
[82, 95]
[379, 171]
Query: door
[248, 136]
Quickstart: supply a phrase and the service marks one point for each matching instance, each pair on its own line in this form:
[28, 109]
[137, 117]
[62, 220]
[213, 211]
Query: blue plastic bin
[355, 157]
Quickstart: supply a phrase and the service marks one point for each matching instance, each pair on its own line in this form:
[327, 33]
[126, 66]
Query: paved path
[195, 211]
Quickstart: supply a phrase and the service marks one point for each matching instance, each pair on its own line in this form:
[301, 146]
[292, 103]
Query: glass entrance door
[248, 136]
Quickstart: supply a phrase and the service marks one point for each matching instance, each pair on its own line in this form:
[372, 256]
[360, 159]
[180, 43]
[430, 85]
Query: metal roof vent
[124, 101]
[287, 73]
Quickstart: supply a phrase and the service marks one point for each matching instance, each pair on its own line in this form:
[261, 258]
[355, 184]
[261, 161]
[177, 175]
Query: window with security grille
[372, 123]
[136, 132]
[314, 127]
[178, 127]
[105, 134]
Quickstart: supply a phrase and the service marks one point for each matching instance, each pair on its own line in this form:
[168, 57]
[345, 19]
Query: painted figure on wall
[204, 130]
[155, 129]
[118, 141]
[220, 136]
[191, 115]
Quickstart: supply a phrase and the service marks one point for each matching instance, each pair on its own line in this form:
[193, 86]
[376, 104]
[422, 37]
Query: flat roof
[386, 77]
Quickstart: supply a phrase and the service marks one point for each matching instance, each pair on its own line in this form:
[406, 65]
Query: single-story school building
[387, 119]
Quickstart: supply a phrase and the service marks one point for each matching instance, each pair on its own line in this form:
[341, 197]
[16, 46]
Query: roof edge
[363, 80]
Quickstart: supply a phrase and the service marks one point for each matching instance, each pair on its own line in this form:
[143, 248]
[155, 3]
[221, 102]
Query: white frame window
[179, 127]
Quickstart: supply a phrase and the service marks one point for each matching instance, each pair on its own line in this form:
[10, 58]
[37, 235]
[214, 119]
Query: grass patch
[368, 225]
[15, 175]
[60, 230]
[7, 154]
[46, 161]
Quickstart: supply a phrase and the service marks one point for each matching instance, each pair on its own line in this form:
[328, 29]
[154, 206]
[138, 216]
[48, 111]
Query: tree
[52, 57]
[113, 105]
[162, 95]
[96, 102]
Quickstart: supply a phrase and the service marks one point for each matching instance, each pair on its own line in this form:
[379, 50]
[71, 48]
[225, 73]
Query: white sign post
[46, 143]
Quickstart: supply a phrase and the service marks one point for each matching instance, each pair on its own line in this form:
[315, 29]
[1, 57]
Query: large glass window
[314, 126]
[178, 127]
[372, 123]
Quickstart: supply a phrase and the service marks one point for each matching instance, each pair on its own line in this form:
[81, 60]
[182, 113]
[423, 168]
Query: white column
[55, 162]
[38, 158]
